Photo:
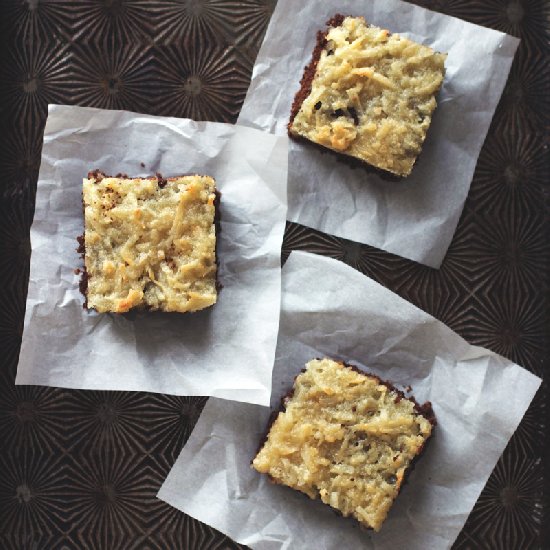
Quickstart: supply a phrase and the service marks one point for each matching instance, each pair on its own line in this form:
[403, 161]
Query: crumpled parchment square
[225, 351]
[415, 218]
[329, 309]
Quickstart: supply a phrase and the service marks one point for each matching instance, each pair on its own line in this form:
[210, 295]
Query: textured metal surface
[81, 469]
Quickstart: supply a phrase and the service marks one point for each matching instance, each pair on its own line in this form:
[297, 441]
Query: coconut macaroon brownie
[368, 94]
[149, 243]
[347, 438]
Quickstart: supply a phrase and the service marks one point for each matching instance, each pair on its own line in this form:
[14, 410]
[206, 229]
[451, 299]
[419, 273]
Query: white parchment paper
[329, 309]
[417, 217]
[227, 350]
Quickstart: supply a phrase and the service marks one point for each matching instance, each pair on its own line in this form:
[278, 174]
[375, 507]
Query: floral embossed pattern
[81, 469]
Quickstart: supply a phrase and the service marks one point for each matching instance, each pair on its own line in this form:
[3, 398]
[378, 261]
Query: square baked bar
[368, 94]
[149, 243]
[346, 438]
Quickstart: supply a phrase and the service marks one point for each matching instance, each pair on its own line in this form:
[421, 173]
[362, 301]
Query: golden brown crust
[368, 95]
[322, 442]
[149, 242]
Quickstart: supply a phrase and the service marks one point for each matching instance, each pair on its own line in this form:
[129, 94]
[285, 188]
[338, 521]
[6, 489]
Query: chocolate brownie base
[425, 411]
[372, 109]
[309, 71]
[99, 175]
[305, 90]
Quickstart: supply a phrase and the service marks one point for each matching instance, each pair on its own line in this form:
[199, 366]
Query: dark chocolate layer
[309, 70]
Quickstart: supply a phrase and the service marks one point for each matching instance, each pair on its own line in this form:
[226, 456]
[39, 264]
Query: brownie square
[368, 94]
[149, 243]
[347, 438]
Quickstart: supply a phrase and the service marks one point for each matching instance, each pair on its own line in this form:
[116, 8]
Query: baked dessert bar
[149, 243]
[347, 438]
[368, 94]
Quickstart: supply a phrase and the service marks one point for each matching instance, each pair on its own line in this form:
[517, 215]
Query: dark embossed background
[80, 469]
